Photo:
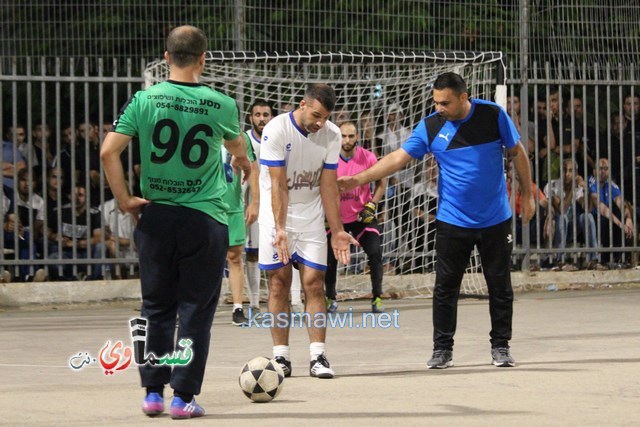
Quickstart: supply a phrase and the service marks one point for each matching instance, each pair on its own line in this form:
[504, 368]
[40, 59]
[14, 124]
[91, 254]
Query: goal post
[386, 94]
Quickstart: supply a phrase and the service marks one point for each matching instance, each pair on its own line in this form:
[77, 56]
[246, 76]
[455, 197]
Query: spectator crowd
[61, 221]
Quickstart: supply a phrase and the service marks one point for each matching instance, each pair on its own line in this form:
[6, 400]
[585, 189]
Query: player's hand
[133, 205]
[251, 214]
[347, 183]
[628, 228]
[242, 164]
[368, 214]
[340, 243]
[528, 208]
[281, 243]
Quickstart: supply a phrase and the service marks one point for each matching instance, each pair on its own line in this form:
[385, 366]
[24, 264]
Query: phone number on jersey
[176, 190]
[183, 108]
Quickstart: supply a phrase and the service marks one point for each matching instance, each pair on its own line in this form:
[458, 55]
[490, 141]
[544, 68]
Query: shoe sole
[153, 412]
[504, 364]
[324, 376]
[184, 417]
[153, 409]
[446, 365]
[240, 323]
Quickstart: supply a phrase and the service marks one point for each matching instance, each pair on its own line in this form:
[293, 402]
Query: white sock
[237, 306]
[253, 283]
[281, 350]
[295, 287]
[316, 349]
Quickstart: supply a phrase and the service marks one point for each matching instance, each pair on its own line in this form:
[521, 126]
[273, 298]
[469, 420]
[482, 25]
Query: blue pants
[564, 232]
[24, 252]
[182, 253]
[98, 251]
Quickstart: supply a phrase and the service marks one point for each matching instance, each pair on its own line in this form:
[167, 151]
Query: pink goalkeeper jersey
[353, 201]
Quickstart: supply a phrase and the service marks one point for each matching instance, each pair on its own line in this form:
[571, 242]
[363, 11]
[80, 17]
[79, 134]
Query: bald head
[185, 44]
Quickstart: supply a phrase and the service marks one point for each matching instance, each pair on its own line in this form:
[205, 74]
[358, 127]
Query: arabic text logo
[118, 357]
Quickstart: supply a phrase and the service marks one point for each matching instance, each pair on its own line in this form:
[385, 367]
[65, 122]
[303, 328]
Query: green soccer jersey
[233, 196]
[181, 127]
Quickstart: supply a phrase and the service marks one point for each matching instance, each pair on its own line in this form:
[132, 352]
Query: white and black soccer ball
[261, 379]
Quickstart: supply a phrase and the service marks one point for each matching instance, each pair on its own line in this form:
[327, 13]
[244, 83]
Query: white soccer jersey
[305, 156]
[255, 143]
[253, 232]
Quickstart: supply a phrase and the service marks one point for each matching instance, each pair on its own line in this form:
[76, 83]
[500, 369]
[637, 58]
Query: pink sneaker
[182, 410]
[153, 404]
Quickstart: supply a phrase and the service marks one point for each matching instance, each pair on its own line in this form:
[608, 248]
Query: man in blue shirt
[12, 162]
[467, 137]
[615, 214]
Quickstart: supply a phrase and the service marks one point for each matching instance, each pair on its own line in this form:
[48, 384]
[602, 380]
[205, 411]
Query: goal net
[386, 95]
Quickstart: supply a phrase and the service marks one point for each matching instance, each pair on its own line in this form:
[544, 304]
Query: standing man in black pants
[467, 138]
[182, 237]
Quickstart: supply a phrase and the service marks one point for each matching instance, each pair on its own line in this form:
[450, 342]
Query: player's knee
[314, 289]
[375, 255]
[278, 289]
[278, 293]
[252, 257]
[234, 256]
[446, 283]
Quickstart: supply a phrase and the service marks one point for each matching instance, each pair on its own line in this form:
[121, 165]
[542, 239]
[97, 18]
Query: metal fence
[55, 216]
[593, 113]
[78, 99]
[555, 31]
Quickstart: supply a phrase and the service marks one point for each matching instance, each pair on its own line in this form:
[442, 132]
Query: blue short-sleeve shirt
[469, 152]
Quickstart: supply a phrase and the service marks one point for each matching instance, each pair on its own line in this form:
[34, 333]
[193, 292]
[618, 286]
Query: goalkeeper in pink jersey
[358, 212]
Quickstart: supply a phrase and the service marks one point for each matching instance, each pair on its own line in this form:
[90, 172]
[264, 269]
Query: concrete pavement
[577, 354]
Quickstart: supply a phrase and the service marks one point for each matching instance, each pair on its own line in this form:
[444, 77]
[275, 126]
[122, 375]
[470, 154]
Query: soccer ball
[261, 379]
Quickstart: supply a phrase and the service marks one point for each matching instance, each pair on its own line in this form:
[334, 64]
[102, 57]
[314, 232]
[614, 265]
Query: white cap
[394, 108]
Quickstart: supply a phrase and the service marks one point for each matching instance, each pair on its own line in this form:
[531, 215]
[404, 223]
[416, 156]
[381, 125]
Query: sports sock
[281, 350]
[316, 349]
[253, 283]
[295, 287]
[156, 389]
[184, 396]
[237, 306]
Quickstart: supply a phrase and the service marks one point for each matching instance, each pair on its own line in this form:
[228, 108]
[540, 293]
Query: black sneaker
[502, 358]
[376, 305]
[284, 364]
[440, 359]
[238, 318]
[320, 368]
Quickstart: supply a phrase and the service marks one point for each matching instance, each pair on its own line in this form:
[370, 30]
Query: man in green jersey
[238, 223]
[182, 237]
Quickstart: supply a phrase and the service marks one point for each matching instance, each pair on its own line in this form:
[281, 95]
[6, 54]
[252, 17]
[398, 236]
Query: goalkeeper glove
[368, 214]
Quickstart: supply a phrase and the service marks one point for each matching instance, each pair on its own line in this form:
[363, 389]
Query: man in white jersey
[260, 113]
[298, 187]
